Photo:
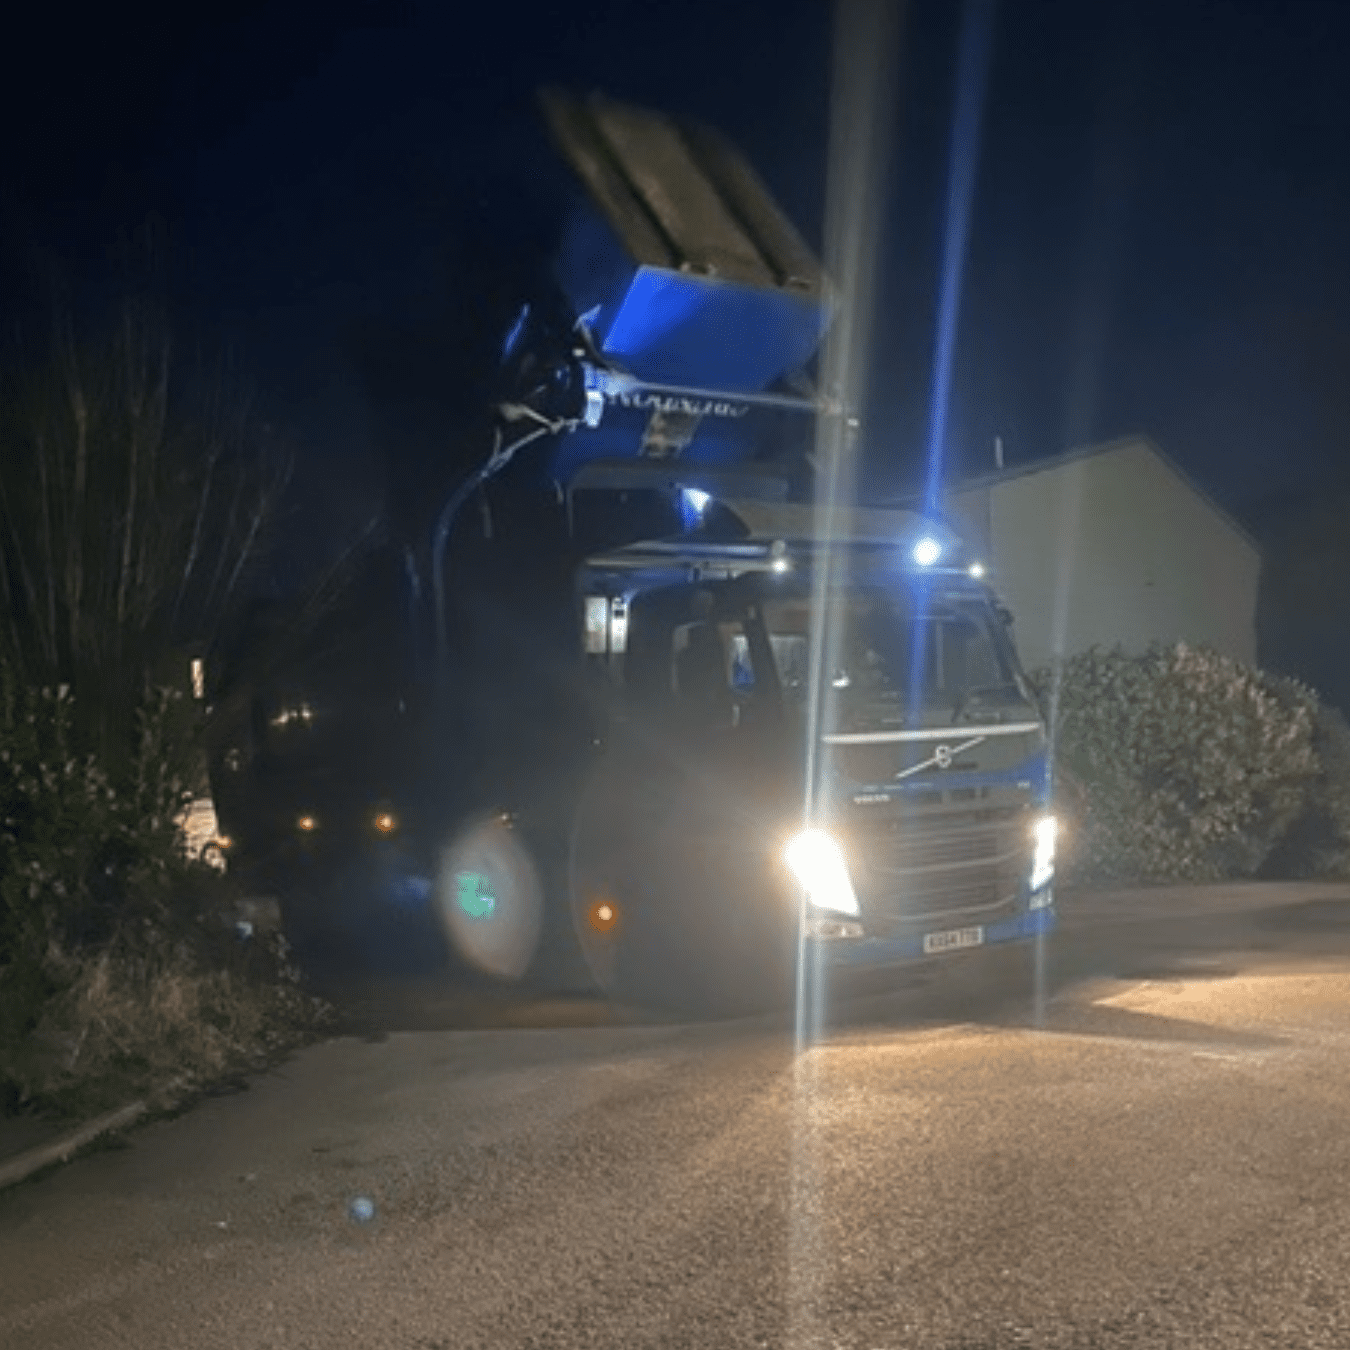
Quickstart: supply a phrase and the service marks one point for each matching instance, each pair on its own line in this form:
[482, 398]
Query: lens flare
[972, 79]
[1045, 832]
[927, 551]
[818, 863]
[489, 897]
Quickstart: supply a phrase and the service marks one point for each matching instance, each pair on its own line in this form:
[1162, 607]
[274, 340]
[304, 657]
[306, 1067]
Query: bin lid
[678, 258]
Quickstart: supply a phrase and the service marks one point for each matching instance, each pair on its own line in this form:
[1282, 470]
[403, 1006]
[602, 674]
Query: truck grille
[940, 859]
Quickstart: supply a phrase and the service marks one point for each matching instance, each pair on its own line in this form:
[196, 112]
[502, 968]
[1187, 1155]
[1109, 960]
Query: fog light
[831, 930]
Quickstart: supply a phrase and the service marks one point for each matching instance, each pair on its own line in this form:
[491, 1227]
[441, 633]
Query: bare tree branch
[133, 480]
[132, 509]
[198, 521]
[79, 410]
[47, 547]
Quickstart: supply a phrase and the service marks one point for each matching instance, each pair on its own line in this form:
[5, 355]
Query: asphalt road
[1152, 1153]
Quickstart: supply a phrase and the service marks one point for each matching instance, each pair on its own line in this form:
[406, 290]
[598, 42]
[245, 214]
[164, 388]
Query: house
[1112, 545]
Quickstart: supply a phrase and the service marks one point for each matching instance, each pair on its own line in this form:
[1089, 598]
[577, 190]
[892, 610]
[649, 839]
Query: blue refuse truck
[636, 693]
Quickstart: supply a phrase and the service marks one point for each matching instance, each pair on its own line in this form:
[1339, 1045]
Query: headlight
[1043, 859]
[927, 551]
[817, 862]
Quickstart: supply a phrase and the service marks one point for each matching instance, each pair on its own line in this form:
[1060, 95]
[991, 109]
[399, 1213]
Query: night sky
[355, 193]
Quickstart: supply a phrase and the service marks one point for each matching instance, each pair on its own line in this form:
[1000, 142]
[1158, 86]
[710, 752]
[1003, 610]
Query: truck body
[637, 692]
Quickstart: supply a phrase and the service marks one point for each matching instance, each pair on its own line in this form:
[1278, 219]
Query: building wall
[1114, 548]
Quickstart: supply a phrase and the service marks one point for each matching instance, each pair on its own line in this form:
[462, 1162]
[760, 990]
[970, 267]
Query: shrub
[1193, 766]
[1318, 842]
[119, 973]
[148, 1015]
[80, 857]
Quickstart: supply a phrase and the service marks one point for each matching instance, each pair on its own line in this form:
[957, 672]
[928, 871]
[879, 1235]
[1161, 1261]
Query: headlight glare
[818, 863]
[1045, 831]
[926, 551]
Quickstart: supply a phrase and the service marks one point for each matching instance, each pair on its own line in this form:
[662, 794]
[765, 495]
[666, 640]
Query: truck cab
[821, 736]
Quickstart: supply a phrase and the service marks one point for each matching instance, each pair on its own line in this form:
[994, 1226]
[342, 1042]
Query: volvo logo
[943, 757]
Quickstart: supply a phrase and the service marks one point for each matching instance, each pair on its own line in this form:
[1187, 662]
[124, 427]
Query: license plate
[951, 940]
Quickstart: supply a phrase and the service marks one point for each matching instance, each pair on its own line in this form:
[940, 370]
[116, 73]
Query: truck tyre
[489, 897]
[606, 888]
[658, 925]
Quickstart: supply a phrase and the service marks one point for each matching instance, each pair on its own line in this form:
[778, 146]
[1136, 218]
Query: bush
[1318, 842]
[147, 1016]
[119, 973]
[1191, 766]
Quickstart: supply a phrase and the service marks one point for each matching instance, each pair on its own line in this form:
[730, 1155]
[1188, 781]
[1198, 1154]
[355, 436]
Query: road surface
[1154, 1152]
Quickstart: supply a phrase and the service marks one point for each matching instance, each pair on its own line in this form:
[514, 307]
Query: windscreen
[722, 653]
[894, 656]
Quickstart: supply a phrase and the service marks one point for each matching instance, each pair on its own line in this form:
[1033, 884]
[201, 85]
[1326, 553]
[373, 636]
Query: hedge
[1185, 765]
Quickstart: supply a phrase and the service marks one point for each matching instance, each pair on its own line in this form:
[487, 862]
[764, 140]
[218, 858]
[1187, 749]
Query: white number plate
[952, 939]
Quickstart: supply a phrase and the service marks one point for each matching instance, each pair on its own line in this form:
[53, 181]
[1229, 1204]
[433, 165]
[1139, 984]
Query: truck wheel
[615, 882]
[656, 925]
[603, 888]
[489, 897]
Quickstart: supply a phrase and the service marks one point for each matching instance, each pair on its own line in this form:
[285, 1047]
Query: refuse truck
[637, 695]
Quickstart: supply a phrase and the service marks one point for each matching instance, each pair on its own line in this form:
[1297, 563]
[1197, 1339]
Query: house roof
[1107, 448]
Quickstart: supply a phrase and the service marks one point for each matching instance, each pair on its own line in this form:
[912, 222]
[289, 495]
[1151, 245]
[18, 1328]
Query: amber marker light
[603, 915]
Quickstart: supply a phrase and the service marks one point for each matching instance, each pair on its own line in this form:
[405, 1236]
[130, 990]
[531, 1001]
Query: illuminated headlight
[1043, 859]
[696, 500]
[817, 862]
[927, 551]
